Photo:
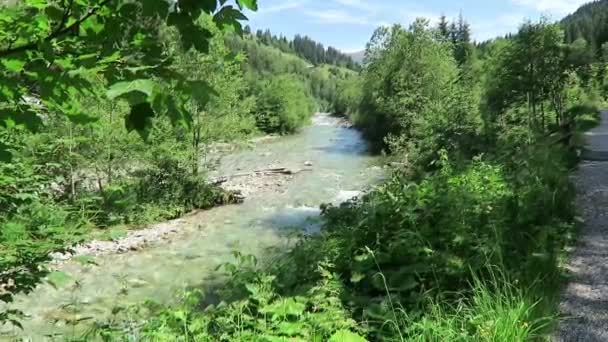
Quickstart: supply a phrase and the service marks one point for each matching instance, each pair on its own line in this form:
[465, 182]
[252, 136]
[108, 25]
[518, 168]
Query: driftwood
[265, 172]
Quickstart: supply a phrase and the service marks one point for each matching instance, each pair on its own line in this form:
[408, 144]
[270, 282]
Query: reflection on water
[341, 168]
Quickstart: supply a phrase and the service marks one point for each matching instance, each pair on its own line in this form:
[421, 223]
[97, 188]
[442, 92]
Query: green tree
[411, 88]
[530, 72]
[284, 105]
[49, 51]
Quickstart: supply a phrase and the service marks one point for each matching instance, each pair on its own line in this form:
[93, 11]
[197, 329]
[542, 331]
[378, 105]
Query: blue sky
[348, 24]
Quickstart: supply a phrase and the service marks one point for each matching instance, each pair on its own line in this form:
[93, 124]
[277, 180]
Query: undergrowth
[469, 253]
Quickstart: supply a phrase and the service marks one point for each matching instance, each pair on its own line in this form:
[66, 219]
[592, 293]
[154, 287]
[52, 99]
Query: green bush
[27, 239]
[284, 105]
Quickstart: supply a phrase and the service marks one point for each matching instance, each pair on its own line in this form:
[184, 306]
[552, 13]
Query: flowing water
[339, 167]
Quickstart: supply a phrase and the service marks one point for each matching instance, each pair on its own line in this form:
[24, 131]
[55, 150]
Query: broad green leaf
[143, 86]
[53, 12]
[284, 308]
[346, 336]
[13, 65]
[229, 17]
[250, 4]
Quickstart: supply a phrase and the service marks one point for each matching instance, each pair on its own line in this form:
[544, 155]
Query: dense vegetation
[589, 23]
[73, 166]
[305, 47]
[462, 243]
[265, 61]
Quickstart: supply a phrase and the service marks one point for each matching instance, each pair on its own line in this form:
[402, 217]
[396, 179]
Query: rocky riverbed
[267, 181]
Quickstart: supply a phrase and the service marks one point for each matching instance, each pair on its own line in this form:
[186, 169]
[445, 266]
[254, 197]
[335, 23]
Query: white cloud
[333, 16]
[358, 4]
[497, 27]
[283, 6]
[558, 7]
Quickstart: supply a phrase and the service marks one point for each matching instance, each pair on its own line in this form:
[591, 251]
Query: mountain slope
[590, 22]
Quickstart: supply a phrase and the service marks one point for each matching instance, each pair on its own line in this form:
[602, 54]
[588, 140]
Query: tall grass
[496, 310]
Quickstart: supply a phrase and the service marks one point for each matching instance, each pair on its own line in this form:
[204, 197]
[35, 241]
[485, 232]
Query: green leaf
[13, 65]
[229, 16]
[158, 8]
[144, 86]
[291, 328]
[284, 308]
[250, 4]
[346, 336]
[25, 117]
[209, 6]
[53, 12]
[357, 277]
[5, 155]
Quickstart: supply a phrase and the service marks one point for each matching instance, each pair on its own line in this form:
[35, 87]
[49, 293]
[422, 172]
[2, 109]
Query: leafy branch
[61, 30]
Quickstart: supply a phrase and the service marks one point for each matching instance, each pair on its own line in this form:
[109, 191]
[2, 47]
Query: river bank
[272, 179]
[185, 253]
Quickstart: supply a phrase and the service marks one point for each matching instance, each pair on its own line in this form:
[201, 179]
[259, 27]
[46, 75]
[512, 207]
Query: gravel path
[584, 305]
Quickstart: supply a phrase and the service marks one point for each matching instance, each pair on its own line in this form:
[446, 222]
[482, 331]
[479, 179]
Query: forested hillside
[265, 61]
[110, 109]
[589, 22]
[306, 48]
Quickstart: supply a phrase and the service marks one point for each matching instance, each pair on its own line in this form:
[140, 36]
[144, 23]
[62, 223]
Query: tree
[463, 48]
[411, 88]
[63, 63]
[443, 27]
[50, 50]
[284, 104]
[531, 71]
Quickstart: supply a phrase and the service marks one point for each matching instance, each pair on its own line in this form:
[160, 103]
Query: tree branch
[67, 11]
[60, 31]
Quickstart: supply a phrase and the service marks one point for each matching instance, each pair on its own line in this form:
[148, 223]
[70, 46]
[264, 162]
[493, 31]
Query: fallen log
[264, 172]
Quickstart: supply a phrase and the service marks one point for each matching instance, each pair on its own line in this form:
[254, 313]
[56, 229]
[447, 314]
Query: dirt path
[584, 305]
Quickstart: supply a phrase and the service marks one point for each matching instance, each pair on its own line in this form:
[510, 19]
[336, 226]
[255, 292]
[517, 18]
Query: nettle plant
[53, 52]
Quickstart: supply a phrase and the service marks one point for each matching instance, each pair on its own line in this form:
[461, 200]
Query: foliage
[588, 23]
[284, 105]
[306, 48]
[28, 237]
[50, 50]
[256, 313]
[467, 248]
[264, 62]
[350, 92]
[413, 101]
[461, 243]
[78, 76]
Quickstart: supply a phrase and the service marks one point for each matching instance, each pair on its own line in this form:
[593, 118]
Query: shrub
[284, 105]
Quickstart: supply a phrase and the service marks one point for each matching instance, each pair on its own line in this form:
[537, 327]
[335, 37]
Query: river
[338, 166]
